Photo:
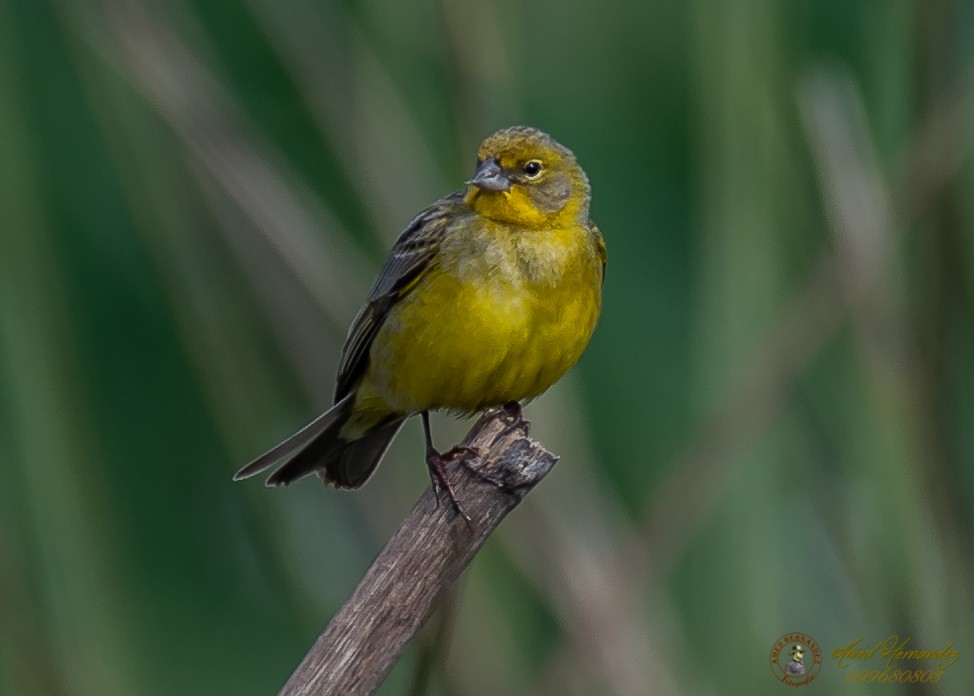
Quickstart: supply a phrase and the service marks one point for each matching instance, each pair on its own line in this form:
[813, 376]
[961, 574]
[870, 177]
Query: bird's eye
[532, 169]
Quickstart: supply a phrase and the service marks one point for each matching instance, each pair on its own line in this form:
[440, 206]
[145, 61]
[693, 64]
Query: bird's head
[525, 178]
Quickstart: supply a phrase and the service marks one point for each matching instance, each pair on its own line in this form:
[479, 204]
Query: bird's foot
[514, 417]
[437, 462]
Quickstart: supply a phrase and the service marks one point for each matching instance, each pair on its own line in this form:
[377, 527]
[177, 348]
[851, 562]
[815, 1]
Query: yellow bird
[487, 298]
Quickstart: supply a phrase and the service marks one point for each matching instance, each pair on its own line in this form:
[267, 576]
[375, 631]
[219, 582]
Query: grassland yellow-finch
[487, 298]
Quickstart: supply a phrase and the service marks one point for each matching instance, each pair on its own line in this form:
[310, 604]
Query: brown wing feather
[599, 245]
[411, 256]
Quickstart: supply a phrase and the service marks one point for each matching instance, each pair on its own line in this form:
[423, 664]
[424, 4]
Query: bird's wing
[599, 245]
[412, 255]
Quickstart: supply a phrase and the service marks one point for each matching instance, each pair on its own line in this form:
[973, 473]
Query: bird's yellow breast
[500, 316]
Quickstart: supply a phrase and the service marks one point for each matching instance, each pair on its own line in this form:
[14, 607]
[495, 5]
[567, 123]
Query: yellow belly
[468, 340]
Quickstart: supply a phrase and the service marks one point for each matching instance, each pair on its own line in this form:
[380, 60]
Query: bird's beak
[490, 177]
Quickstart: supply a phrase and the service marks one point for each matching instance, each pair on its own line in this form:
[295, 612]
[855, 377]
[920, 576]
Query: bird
[486, 299]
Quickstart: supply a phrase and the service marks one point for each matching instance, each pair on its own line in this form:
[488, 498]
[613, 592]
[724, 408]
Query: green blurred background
[772, 430]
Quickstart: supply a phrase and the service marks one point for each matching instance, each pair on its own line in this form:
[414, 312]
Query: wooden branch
[422, 559]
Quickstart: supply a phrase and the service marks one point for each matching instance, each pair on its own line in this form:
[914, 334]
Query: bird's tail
[319, 447]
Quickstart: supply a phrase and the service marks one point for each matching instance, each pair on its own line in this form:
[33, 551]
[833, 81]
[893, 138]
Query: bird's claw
[436, 464]
[514, 417]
